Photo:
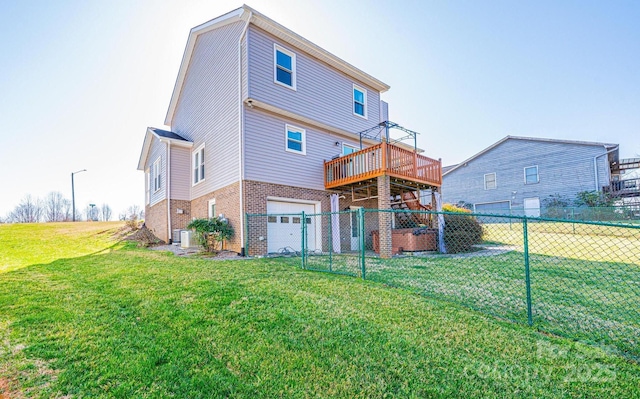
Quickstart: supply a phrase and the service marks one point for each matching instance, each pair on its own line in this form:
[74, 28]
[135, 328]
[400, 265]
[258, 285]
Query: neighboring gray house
[255, 113]
[519, 173]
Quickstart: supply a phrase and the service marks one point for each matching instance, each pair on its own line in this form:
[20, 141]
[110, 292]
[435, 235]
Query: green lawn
[86, 317]
[585, 279]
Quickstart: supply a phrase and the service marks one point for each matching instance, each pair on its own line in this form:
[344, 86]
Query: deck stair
[408, 201]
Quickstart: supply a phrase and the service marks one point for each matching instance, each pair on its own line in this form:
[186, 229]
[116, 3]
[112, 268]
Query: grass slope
[136, 323]
[29, 244]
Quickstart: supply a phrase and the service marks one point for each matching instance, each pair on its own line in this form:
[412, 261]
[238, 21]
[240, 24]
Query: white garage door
[284, 227]
[498, 208]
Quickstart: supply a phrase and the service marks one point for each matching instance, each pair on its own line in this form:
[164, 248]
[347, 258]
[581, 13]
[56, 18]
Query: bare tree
[134, 210]
[91, 213]
[66, 212]
[54, 207]
[106, 212]
[29, 210]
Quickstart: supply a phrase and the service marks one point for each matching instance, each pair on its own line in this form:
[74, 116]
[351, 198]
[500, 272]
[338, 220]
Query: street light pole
[73, 195]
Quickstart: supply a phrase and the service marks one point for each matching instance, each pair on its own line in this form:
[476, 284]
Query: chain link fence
[571, 278]
[629, 213]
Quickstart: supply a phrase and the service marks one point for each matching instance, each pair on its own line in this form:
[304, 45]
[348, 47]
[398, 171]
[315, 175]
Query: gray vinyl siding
[245, 69]
[158, 150]
[564, 169]
[322, 93]
[180, 173]
[207, 111]
[384, 107]
[267, 161]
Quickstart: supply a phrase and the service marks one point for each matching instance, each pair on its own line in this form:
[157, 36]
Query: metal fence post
[303, 248]
[246, 234]
[361, 241]
[527, 275]
[330, 241]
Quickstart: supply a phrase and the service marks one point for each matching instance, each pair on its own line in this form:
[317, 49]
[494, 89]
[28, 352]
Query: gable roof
[249, 15]
[536, 139]
[162, 135]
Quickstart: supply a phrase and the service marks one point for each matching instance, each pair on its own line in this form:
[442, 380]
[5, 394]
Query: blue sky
[81, 80]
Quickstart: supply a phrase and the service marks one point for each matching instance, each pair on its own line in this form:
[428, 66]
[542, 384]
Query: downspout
[241, 131]
[595, 164]
[169, 191]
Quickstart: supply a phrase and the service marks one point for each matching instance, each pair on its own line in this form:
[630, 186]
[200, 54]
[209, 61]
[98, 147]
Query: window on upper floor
[490, 181]
[295, 140]
[198, 165]
[156, 177]
[531, 175]
[284, 67]
[359, 101]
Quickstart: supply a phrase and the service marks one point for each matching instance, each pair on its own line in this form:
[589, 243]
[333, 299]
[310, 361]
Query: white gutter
[169, 190]
[595, 164]
[241, 130]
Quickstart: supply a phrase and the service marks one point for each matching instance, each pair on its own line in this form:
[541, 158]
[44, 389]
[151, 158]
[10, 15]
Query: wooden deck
[624, 188]
[382, 159]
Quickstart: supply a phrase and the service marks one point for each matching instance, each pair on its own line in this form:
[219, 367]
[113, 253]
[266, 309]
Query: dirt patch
[17, 370]
[9, 388]
[143, 236]
[179, 251]
[5, 390]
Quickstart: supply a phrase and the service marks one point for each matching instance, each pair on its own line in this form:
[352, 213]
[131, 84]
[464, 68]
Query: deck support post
[384, 217]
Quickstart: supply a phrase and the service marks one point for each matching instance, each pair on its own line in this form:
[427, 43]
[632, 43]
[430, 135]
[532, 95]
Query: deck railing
[624, 188]
[382, 159]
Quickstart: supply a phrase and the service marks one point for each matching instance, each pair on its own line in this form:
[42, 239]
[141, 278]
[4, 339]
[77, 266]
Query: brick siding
[227, 203]
[256, 194]
[155, 218]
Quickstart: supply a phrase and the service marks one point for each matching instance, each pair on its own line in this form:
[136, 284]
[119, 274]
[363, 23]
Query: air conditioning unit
[186, 238]
[175, 237]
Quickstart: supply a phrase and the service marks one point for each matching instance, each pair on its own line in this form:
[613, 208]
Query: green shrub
[594, 199]
[556, 206]
[211, 233]
[461, 232]
[454, 208]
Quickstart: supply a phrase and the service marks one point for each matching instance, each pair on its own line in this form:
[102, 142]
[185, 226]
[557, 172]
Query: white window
[198, 165]
[348, 149]
[147, 186]
[295, 140]
[490, 181]
[531, 175]
[284, 67]
[156, 177]
[212, 208]
[359, 101]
